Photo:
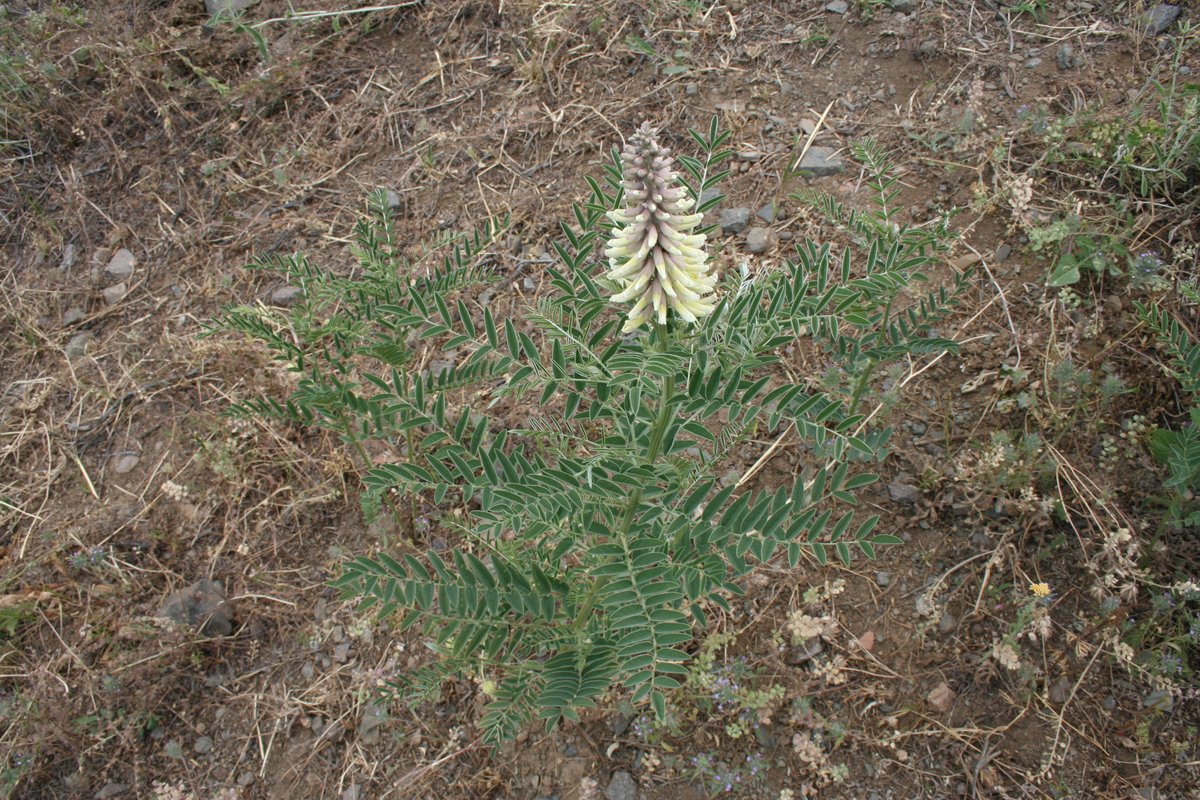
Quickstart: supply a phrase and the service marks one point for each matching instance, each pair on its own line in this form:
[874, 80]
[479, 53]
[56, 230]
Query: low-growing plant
[596, 536]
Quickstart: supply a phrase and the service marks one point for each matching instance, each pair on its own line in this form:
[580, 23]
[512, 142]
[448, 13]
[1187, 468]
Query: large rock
[1159, 18]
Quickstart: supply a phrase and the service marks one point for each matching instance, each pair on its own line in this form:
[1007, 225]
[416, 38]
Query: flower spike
[653, 256]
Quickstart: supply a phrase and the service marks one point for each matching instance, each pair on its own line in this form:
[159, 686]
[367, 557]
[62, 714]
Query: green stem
[657, 434]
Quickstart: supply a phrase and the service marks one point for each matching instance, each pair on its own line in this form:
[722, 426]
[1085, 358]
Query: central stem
[657, 433]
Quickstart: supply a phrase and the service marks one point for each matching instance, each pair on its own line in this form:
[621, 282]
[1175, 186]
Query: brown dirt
[154, 131]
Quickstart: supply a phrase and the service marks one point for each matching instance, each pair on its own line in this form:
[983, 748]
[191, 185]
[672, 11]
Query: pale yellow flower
[653, 256]
[1040, 590]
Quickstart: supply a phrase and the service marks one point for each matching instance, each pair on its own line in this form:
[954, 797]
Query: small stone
[76, 783]
[786, 236]
[203, 745]
[1159, 699]
[948, 623]
[341, 653]
[691, 90]
[69, 255]
[286, 295]
[1159, 18]
[942, 697]
[373, 718]
[1033, 63]
[883, 579]
[820, 162]
[758, 240]
[926, 50]
[121, 264]
[805, 652]
[394, 200]
[111, 790]
[202, 606]
[245, 779]
[621, 787]
[1065, 57]
[903, 6]
[1002, 253]
[1184, 69]
[767, 213]
[902, 492]
[1060, 691]
[115, 294]
[708, 194]
[837, 7]
[807, 126]
[733, 220]
[751, 156]
[1109, 702]
[73, 315]
[228, 6]
[351, 792]
[77, 347]
[124, 463]
[918, 428]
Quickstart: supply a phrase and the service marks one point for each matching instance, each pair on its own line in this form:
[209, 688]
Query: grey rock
[918, 428]
[115, 294]
[203, 745]
[1060, 691]
[121, 264]
[805, 652]
[820, 162]
[374, 715]
[837, 7]
[286, 295]
[903, 6]
[807, 126]
[758, 240]
[749, 155]
[708, 194]
[691, 90]
[1065, 57]
[1002, 253]
[1109, 702]
[1159, 699]
[902, 492]
[948, 623]
[621, 787]
[394, 200]
[883, 579]
[1159, 18]
[1184, 69]
[786, 236]
[69, 255]
[77, 347]
[245, 779]
[341, 653]
[228, 6]
[767, 213]
[111, 790]
[926, 50]
[1032, 63]
[733, 220]
[201, 606]
[351, 792]
[124, 463]
[73, 315]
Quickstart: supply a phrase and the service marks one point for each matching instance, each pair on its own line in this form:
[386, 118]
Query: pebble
[786, 236]
[1159, 699]
[201, 606]
[1065, 57]
[1002, 253]
[203, 745]
[1184, 69]
[621, 787]
[245, 779]
[1060, 691]
[111, 790]
[733, 220]
[820, 162]
[1159, 18]
[124, 463]
[837, 7]
[372, 719]
[285, 295]
[1033, 63]
[758, 240]
[805, 652]
[926, 49]
[903, 6]
[69, 255]
[121, 264]
[77, 347]
[691, 90]
[73, 315]
[807, 126]
[902, 492]
[767, 213]
[115, 294]
[948, 623]
[883, 579]
[749, 155]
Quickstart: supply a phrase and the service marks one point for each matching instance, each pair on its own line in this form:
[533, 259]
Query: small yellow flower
[1040, 590]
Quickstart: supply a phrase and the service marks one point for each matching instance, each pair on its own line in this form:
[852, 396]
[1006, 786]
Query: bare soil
[152, 129]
